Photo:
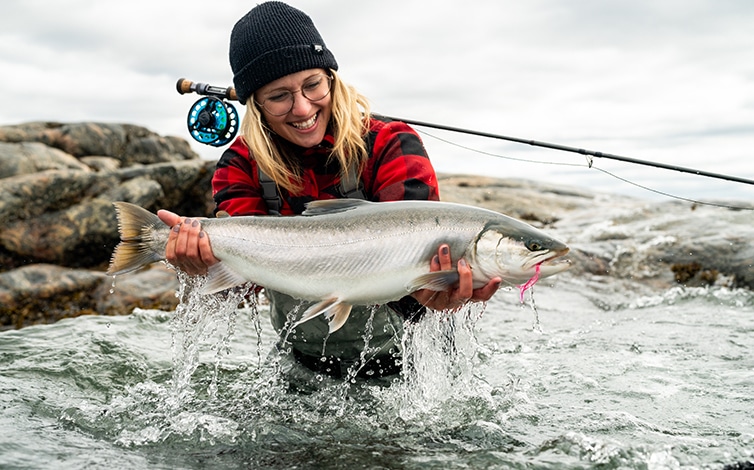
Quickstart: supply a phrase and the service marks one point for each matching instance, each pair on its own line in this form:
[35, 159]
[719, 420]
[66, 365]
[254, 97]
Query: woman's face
[306, 121]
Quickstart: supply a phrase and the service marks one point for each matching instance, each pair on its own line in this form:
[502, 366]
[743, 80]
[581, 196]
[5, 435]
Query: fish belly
[354, 267]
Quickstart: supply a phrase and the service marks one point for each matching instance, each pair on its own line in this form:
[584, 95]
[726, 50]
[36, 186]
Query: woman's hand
[188, 246]
[459, 295]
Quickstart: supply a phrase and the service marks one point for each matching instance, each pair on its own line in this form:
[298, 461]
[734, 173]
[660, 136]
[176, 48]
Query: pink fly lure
[524, 287]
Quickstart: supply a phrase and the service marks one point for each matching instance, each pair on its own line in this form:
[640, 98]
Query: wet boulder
[58, 224]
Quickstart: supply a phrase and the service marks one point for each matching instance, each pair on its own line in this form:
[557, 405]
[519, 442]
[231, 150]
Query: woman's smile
[305, 125]
[306, 121]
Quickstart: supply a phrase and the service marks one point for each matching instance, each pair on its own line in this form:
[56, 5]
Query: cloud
[669, 80]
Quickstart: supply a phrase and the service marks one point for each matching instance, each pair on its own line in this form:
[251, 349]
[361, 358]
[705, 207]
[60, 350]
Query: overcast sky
[661, 80]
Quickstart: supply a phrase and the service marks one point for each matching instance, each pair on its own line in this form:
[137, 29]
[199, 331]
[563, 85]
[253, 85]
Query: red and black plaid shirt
[398, 168]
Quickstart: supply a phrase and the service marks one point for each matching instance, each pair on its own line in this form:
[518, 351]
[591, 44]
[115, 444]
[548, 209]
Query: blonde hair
[350, 123]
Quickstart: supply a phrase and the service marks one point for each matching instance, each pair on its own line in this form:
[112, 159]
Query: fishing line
[214, 121]
[590, 165]
[565, 148]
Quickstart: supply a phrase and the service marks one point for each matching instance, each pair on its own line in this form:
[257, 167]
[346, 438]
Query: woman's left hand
[459, 295]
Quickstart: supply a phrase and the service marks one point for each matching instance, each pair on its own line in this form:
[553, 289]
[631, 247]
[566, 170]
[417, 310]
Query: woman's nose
[301, 105]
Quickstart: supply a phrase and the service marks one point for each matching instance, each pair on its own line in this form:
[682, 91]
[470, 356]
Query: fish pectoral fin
[335, 311]
[317, 309]
[337, 316]
[220, 277]
[436, 281]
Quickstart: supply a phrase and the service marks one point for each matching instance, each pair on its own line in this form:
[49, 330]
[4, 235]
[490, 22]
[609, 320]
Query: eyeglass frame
[327, 76]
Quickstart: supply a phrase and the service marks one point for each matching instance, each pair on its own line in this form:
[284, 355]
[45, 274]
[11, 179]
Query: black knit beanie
[271, 41]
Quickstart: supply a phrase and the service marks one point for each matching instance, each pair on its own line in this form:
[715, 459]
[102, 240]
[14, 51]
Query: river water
[587, 373]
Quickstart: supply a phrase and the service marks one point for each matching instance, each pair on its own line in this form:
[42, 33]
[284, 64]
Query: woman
[306, 136]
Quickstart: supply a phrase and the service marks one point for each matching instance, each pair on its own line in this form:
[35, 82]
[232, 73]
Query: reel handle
[187, 86]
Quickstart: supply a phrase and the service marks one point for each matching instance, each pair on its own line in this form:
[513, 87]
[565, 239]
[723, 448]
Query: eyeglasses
[280, 102]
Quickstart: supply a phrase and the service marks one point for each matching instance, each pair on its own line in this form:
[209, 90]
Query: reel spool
[212, 121]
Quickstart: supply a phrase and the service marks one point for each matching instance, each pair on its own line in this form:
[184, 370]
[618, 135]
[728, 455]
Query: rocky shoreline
[58, 227]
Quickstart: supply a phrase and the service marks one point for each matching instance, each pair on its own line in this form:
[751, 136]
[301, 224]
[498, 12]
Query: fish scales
[326, 252]
[345, 252]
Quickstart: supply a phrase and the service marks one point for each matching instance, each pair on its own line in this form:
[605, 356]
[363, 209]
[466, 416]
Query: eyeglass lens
[280, 102]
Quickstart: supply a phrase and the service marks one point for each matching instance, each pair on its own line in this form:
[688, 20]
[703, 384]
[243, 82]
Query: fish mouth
[550, 261]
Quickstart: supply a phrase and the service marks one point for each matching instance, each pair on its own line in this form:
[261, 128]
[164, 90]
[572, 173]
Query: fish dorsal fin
[436, 281]
[335, 311]
[220, 277]
[331, 206]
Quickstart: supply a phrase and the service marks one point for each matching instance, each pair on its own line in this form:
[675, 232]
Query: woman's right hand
[188, 246]
[456, 296]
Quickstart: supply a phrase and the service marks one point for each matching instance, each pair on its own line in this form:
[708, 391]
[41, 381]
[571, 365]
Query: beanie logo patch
[318, 49]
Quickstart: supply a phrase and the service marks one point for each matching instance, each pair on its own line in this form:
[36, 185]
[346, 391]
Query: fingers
[425, 296]
[170, 247]
[443, 254]
[485, 293]
[188, 247]
[458, 295]
[454, 297]
[205, 250]
[169, 218]
[434, 265]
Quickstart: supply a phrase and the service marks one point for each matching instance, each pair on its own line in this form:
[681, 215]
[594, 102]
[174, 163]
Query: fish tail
[137, 246]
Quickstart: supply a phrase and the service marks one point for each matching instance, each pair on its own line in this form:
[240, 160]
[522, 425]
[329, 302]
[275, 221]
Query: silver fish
[346, 252]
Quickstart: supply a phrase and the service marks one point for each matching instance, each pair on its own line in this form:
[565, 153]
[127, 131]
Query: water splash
[201, 320]
[366, 353]
[537, 325]
[439, 355]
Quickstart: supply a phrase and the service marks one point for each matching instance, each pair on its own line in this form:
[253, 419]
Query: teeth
[305, 124]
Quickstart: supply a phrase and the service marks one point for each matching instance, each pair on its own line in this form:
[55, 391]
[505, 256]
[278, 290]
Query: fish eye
[534, 245]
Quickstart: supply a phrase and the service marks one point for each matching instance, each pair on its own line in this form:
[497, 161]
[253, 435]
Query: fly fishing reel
[211, 120]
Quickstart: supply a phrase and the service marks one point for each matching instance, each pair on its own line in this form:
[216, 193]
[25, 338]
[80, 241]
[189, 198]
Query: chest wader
[341, 353]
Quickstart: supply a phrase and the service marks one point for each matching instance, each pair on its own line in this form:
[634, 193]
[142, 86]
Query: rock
[31, 195]
[152, 288]
[31, 157]
[66, 216]
[538, 204]
[81, 235]
[57, 185]
[128, 143]
[660, 243]
[102, 164]
[186, 185]
[58, 227]
[44, 293]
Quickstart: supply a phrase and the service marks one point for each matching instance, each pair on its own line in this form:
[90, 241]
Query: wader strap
[270, 193]
[350, 188]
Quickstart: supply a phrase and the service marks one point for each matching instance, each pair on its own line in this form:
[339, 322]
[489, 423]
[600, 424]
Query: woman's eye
[278, 97]
[311, 86]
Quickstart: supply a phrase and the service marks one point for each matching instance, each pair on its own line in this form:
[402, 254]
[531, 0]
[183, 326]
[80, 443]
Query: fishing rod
[200, 127]
[581, 151]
